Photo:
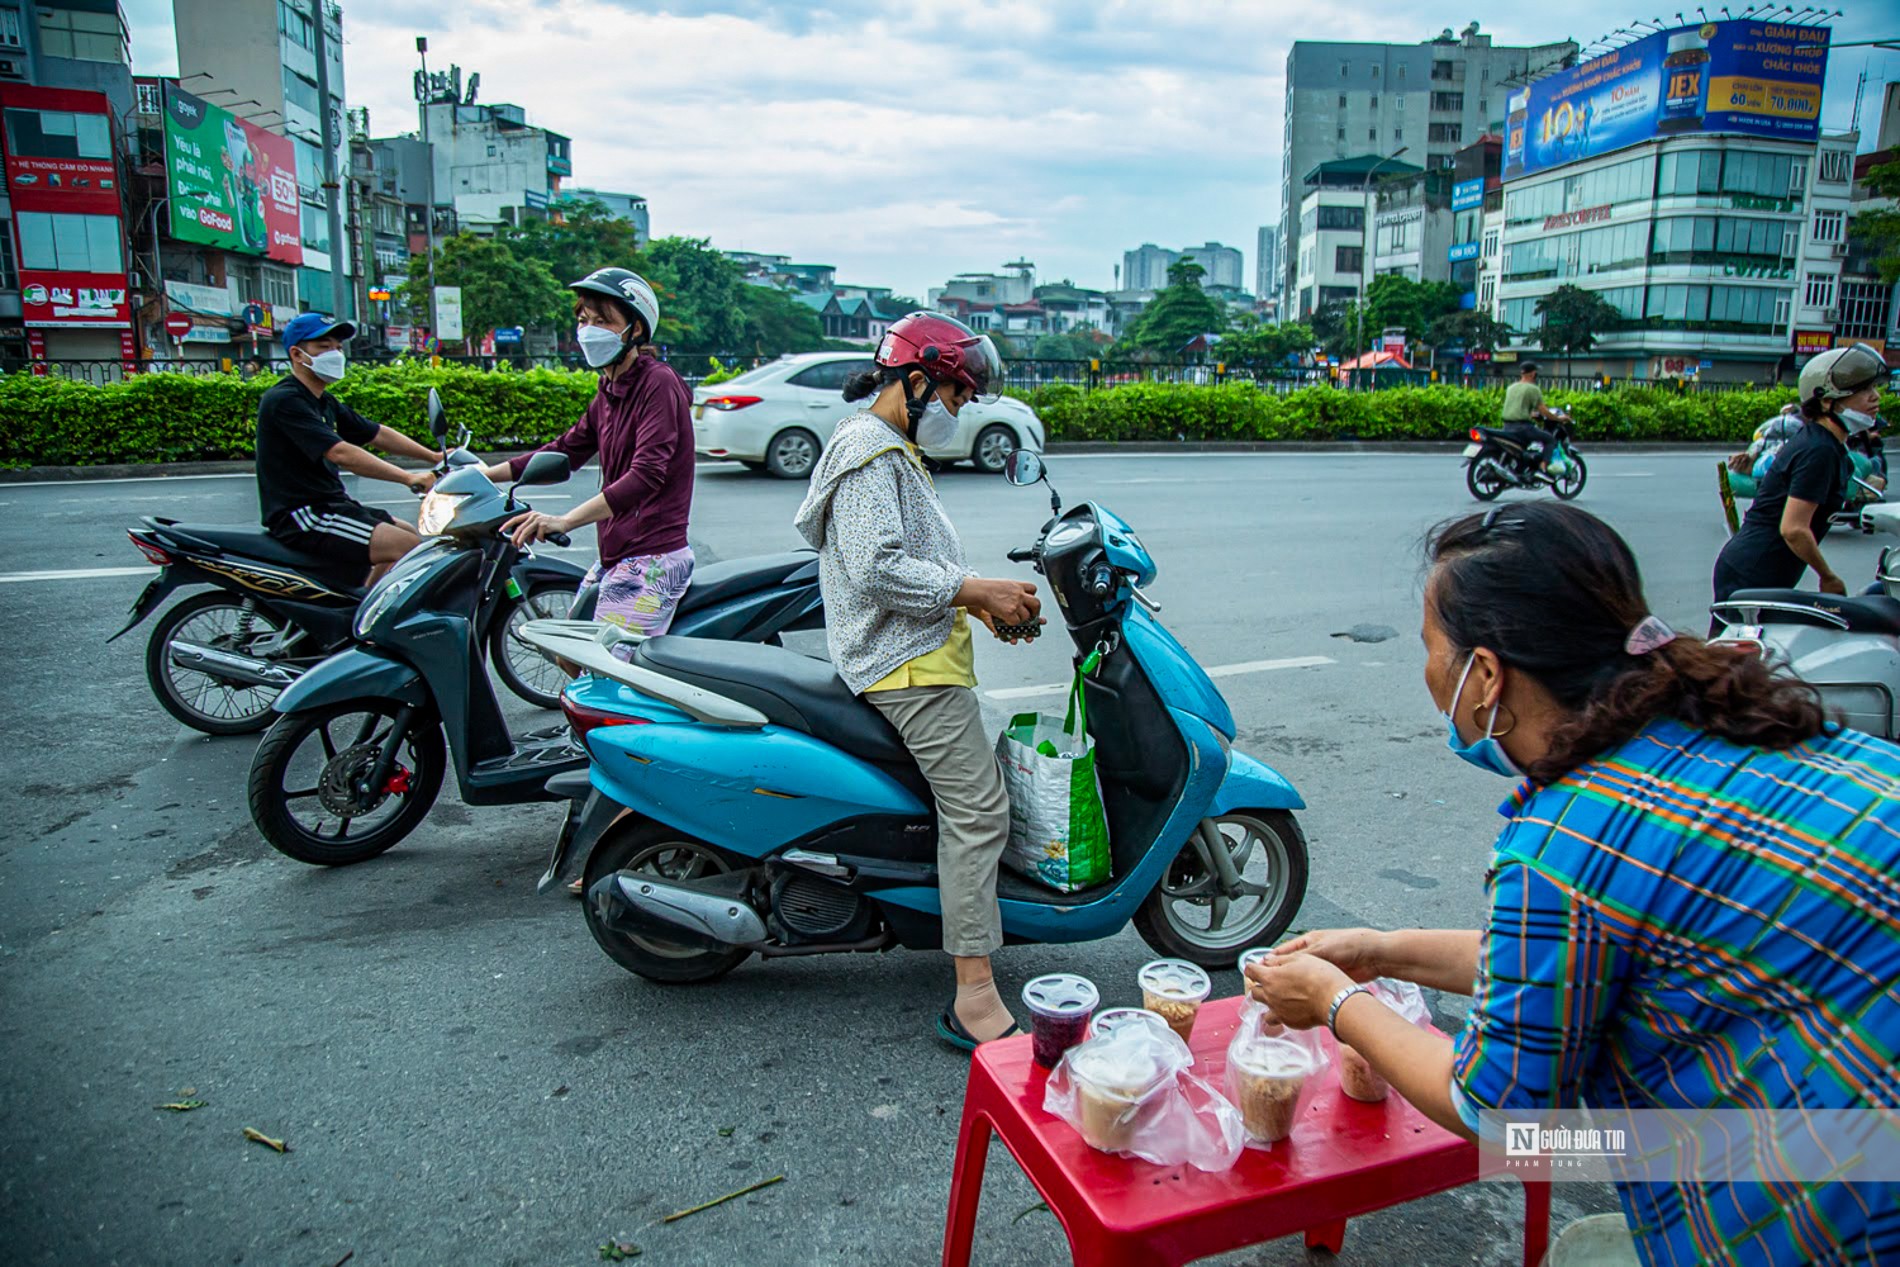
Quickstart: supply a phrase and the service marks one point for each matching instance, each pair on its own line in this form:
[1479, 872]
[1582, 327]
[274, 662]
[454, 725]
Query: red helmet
[946, 350]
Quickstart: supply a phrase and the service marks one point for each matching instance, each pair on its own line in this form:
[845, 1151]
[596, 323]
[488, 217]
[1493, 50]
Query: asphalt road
[463, 1077]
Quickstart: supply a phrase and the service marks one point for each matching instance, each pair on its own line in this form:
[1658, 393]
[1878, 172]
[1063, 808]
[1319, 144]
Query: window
[1375, 72]
[10, 31]
[1627, 181]
[1340, 133]
[1487, 292]
[73, 244]
[1344, 70]
[1348, 259]
[1372, 134]
[1375, 101]
[1401, 70]
[1864, 308]
[1449, 101]
[1783, 307]
[58, 134]
[1491, 245]
[1828, 225]
[1696, 172]
[295, 26]
[151, 99]
[278, 286]
[1443, 71]
[830, 375]
[1351, 219]
[1763, 175]
[300, 92]
[1447, 132]
[1820, 290]
[9, 280]
[1393, 236]
[85, 37]
[316, 228]
[1797, 177]
[1398, 134]
[1342, 101]
[309, 165]
[1836, 166]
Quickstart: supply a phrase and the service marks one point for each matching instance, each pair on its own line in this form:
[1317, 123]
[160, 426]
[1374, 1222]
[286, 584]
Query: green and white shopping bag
[1058, 834]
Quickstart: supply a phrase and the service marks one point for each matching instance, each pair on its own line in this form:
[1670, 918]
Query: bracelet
[1332, 1013]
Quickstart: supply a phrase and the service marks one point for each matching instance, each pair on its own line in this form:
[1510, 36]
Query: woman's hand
[1297, 989]
[989, 622]
[1355, 951]
[999, 602]
[533, 526]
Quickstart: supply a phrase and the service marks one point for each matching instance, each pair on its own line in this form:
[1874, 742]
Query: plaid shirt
[1685, 923]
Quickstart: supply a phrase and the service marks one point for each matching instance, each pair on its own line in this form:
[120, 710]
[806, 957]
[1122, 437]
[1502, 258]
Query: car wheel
[792, 454]
[994, 445]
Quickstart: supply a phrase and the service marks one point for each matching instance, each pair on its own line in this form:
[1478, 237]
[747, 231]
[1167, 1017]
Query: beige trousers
[943, 728]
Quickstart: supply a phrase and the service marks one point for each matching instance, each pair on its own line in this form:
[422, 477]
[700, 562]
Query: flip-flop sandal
[951, 1030]
[575, 888]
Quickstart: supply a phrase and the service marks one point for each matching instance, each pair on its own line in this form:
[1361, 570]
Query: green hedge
[175, 417]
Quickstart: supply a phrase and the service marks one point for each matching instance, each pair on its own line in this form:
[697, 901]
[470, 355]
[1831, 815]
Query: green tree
[1572, 319]
[1176, 314]
[499, 286]
[1477, 331]
[1878, 228]
[1335, 326]
[588, 236]
[1079, 344]
[701, 304]
[775, 323]
[1260, 345]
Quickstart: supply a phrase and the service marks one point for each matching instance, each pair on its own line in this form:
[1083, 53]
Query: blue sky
[961, 135]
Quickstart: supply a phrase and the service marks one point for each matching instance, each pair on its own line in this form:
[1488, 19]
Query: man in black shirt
[304, 435]
[1807, 481]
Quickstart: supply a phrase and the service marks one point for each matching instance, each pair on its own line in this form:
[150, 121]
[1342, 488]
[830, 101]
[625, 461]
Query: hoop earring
[1495, 732]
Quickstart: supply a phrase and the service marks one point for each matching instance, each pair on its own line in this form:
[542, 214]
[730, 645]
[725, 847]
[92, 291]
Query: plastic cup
[1116, 1018]
[1357, 1079]
[1175, 989]
[1253, 956]
[1267, 1092]
[1060, 1005]
[1109, 1089]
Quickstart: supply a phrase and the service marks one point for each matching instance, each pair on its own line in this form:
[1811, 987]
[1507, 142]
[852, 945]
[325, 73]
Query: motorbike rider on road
[305, 434]
[898, 597]
[1807, 483]
[1523, 401]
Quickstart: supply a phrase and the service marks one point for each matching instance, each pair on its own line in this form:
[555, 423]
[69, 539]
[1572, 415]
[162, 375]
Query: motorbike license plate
[699, 411]
[1471, 451]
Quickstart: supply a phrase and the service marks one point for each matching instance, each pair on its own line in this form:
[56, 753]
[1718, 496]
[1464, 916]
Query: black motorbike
[1497, 459]
[218, 660]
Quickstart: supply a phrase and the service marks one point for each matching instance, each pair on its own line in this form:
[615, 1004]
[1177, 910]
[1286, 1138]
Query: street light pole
[1365, 257]
[422, 110]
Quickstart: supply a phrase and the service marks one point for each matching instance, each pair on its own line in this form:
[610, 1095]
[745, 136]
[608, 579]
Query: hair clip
[1649, 635]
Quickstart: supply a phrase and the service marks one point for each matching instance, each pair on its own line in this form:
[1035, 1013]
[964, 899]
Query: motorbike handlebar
[1021, 556]
[560, 539]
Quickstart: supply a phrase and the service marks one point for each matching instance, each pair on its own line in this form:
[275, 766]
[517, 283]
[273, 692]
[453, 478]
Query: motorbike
[1495, 460]
[356, 756]
[1847, 648]
[742, 800]
[218, 660]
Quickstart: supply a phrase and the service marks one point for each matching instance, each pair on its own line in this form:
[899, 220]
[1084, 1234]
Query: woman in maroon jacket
[640, 424]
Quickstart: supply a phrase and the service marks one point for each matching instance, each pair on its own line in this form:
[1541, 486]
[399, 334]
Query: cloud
[904, 145]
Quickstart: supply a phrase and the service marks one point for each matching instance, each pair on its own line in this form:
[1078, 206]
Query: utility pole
[422, 109]
[332, 187]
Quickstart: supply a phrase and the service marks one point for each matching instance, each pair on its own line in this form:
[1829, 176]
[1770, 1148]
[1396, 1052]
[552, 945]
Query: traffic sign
[254, 315]
[178, 325]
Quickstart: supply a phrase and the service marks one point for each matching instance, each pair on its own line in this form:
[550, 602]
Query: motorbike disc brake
[336, 789]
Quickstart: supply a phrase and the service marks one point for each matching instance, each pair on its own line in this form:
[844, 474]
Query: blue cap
[314, 325]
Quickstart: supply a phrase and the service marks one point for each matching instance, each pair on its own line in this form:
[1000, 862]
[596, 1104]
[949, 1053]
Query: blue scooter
[743, 801]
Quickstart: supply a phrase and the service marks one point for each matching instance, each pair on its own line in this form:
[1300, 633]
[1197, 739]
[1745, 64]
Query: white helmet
[626, 287]
[1841, 372]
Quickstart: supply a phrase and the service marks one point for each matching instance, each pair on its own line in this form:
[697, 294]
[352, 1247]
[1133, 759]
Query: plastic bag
[1129, 1092]
[1270, 1070]
[1058, 833]
[1356, 1077]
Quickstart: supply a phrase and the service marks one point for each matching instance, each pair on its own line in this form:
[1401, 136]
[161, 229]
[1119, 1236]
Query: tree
[499, 287]
[1573, 317]
[1080, 344]
[1259, 345]
[587, 237]
[701, 307]
[1878, 228]
[1176, 314]
[776, 323]
[1335, 325]
[1477, 331]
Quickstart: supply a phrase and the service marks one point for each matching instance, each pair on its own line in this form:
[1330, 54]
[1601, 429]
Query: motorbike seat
[792, 690]
[1871, 614]
[1504, 436]
[259, 546]
[717, 582]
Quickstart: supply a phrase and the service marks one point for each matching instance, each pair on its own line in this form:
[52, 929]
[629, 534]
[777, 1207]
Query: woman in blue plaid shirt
[1694, 904]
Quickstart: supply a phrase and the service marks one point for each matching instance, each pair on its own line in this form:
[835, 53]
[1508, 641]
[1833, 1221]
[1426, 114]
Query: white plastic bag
[1356, 1077]
[1058, 828]
[1129, 1092]
[1270, 1072]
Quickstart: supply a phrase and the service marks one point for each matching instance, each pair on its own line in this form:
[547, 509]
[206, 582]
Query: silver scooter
[1846, 648]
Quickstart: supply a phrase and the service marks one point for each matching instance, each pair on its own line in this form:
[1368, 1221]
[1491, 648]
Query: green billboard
[230, 183]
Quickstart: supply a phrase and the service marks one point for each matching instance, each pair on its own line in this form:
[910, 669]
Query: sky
[906, 143]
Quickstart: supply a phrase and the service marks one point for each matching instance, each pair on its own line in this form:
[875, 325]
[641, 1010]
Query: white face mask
[1853, 421]
[329, 366]
[937, 426]
[599, 345]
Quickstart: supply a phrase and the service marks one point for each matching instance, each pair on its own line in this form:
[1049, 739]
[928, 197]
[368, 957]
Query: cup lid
[1117, 1018]
[1251, 956]
[1120, 1070]
[1176, 979]
[1061, 994]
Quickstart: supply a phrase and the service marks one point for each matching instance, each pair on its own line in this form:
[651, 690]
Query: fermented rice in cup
[1108, 1021]
[1357, 1079]
[1111, 1080]
[1060, 1005]
[1267, 1080]
[1175, 989]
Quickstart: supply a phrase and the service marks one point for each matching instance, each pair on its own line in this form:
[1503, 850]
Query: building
[1146, 267]
[1221, 266]
[1477, 191]
[1412, 228]
[778, 272]
[856, 314]
[629, 207]
[80, 45]
[491, 165]
[1331, 229]
[1428, 100]
[975, 297]
[1269, 278]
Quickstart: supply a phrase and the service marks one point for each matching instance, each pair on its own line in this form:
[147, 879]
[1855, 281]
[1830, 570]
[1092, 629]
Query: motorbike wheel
[644, 845]
[521, 668]
[301, 798]
[1483, 480]
[200, 700]
[1186, 917]
[1571, 484]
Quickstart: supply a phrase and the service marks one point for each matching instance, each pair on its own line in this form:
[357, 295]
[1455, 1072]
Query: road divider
[1219, 670]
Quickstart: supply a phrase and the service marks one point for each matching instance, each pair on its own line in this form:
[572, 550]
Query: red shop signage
[75, 299]
[1812, 342]
[1569, 219]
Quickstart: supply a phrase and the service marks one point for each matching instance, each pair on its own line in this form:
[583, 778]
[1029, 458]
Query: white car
[779, 417]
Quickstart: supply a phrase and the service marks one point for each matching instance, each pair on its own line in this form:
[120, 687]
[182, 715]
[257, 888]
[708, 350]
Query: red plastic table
[1343, 1159]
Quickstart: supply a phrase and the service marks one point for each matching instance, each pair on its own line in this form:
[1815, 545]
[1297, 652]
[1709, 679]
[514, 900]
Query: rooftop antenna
[1859, 88]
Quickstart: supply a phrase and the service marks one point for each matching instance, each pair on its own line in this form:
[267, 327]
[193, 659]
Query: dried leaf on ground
[618, 1251]
[277, 1145]
[181, 1106]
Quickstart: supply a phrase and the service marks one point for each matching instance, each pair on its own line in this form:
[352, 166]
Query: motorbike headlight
[380, 600]
[438, 511]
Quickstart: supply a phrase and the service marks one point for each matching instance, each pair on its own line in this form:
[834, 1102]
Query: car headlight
[438, 511]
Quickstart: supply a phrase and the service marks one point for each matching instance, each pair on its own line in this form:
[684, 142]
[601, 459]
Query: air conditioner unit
[12, 68]
[1840, 250]
[1830, 315]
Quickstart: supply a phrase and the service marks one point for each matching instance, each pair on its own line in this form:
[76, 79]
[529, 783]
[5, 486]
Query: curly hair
[1553, 591]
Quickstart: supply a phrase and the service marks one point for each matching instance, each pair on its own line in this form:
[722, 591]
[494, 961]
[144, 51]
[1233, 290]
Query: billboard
[232, 184]
[1738, 76]
[1467, 194]
[64, 187]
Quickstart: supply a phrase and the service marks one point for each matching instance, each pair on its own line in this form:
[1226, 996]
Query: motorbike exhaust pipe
[645, 905]
[229, 667]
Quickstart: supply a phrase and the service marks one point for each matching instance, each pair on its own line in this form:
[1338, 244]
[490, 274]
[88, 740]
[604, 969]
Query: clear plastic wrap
[1356, 1077]
[1130, 1092]
[1270, 1069]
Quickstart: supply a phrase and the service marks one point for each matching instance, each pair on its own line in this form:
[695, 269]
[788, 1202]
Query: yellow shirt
[952, 664]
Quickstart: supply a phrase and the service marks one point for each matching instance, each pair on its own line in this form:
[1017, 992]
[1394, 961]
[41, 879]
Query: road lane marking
[74, 574]
[1219, 670]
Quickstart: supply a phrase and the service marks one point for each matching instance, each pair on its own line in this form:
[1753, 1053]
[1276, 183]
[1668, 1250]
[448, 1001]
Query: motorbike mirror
[545, 468]
[438, 420]
[1024, 468]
